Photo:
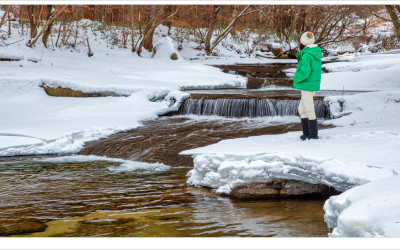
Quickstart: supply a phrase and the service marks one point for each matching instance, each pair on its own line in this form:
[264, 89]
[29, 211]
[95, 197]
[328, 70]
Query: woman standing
[308, 79]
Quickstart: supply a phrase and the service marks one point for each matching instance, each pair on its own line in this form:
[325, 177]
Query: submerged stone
[282, 188]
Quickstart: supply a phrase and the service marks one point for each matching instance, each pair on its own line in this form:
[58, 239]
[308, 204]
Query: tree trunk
[132, 34]
[3, 18]
[33, 12]
[124, 36]
[54, 15]
[9, 24]
[47, 32]
[211, 26]
[21, 20]
[140, 23]
[395, 18]
[147, 40]
[59, 31]
[168, 11]
[90, 53]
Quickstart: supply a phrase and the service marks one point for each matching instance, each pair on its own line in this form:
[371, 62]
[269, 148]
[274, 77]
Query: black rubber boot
[313, 128]
[304, 125]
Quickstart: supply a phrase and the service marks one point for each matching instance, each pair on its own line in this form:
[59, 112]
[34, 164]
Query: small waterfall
[248, 107]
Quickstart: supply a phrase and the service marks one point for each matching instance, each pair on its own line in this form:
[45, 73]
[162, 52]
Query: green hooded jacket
[308, 73]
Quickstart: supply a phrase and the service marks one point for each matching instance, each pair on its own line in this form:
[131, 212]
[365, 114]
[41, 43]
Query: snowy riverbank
[370, 210]
[363, 148]
[52, 125]
[344, 157]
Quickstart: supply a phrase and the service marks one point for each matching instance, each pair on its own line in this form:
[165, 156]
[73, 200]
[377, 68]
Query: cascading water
[248, 107]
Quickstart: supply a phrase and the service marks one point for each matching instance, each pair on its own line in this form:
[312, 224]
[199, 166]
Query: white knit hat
[307, 38]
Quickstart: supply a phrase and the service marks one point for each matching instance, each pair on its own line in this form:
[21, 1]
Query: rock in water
[282, 188]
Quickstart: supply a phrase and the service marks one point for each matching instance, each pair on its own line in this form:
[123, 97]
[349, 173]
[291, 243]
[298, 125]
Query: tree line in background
[209, 23]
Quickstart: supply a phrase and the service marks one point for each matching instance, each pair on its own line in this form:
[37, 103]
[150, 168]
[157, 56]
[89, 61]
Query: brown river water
[91, 199]
[45, 198]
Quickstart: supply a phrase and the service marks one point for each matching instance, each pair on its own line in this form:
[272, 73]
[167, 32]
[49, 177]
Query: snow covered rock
[224, 172]
[370, 210]
[165, 49]
[8, 53]
[275, 48]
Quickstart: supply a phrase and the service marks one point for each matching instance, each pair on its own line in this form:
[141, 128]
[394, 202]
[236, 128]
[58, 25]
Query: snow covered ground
[362, 149]
[369, 210]
[53, 125]
[363, 72]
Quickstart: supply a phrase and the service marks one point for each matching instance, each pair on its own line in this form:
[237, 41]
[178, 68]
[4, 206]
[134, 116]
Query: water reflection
[88, 199]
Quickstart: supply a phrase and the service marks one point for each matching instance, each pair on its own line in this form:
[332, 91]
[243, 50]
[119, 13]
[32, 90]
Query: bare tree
[394, 13]
[132, 31]
[34, 12]
[21, 20]
[156, 18]
[146, 40]
[3, 18]
[57, 11]
[228, 29]
[337, 25]
[47, 32]
[9, 23]
[210, 24]
[211, 27]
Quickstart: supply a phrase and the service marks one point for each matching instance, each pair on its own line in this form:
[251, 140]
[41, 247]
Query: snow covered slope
[369, 210]
[363, 72]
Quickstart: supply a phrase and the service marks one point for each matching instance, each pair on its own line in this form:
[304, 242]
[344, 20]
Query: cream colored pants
[306, 106]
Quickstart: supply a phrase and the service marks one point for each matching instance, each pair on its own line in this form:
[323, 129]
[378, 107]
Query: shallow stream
[45, 198]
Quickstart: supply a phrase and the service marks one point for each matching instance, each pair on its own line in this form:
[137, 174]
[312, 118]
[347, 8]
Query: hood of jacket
[315, 52]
